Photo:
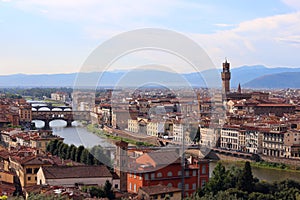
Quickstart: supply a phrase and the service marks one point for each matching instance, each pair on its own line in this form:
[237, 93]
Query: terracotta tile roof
[159, 189]
[4, 154]
[275, 105]
[36, 161]
[31, 160]
[7, 188]
[60, 172]
[158, 158]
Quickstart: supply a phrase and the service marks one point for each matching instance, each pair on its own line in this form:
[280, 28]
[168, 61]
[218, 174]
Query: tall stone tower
[225, 74]
[121, 164]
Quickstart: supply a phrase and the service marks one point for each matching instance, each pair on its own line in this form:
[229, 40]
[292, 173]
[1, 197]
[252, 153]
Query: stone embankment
[294, 163]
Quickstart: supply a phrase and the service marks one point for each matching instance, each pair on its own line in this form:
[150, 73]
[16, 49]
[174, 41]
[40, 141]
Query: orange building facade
[193, 175]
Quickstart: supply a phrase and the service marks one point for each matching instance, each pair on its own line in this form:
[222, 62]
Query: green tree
[52, 146]
[218, 180]
[233, 175]
[57, 149]
[246, 180]
[90, 160]
[72, 152]
[260, 196]
[108, 190]
[84, 156]
[221, 195]
[64, 151]
[99, 156]
[96, 192]
[79, 151]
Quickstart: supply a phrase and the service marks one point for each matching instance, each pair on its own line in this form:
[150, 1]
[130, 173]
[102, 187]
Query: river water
[80, 136]
[75, 135]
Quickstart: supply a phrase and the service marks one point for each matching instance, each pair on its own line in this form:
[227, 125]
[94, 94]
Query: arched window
[159, 174]
[179, 186]
[203, 169]
[170, 173]
[170, 185]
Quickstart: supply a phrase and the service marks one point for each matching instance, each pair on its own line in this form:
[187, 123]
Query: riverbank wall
[293, 163]
[287, 161]
[219, 156]
[131, 136]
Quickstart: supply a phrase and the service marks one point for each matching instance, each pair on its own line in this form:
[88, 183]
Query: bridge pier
[69, 123]
[47, 126]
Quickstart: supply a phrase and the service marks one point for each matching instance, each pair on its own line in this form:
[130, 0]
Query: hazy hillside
[280, 80]
[249, 76]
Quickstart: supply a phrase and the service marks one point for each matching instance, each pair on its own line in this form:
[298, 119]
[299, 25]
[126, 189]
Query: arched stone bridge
[51, 108]
[68, 116]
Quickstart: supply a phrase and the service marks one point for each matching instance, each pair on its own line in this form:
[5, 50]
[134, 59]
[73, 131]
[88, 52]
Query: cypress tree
[84, 156]
[246, 180]
[79, 151]
[72, 152]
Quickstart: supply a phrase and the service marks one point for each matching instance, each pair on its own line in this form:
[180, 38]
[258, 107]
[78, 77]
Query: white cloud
[225, 25]
[292, 3]
[95, 10]
[272, 41]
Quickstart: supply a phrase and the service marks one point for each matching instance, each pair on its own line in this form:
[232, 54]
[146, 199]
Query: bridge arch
[44, 109]
[57, 109]
[69, 116]
[58, 123]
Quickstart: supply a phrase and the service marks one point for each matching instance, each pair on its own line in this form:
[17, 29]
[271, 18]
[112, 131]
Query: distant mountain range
[257, 76]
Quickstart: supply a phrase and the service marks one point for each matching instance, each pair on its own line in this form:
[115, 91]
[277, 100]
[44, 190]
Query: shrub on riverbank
[238, 183]
[264, 164]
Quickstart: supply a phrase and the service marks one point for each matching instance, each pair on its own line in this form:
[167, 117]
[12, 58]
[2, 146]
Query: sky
[57, 36]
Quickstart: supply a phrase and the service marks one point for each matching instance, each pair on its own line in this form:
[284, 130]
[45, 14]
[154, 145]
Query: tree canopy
[239, 184]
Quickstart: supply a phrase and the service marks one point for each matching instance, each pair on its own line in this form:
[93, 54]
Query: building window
[170, 185]
[146, 176]
[159, 174]
[194, 173]
[130, 175]
[29, 171]
[186, 186]
[134, 187]
[171, 194]
[187, 173]
[179, 185]
[134, 175]
[170, 173]
[116, 186]
[140, 176]
[36, 170]
[29, 178]
[162, 195]
[179, 173]
[194, 186]
[152, 176]
[203, 169]
[129, 186]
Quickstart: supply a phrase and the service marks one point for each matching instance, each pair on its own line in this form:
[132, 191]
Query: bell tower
[225, 74]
